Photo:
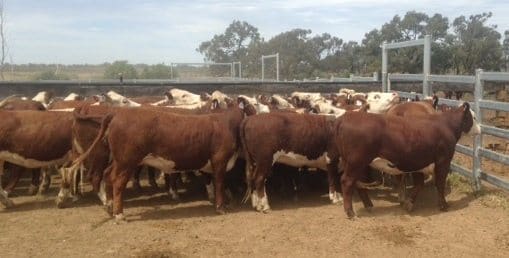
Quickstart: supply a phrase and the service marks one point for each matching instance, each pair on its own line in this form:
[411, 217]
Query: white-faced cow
[410, 144]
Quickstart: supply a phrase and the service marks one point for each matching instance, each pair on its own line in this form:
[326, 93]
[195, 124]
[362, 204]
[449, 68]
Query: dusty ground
[475, 226]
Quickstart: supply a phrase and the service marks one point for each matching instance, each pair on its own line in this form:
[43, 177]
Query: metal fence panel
[464, 150]
[406, 77]
[410, 43]
[452, 79]
[498, 132]
[494, 105]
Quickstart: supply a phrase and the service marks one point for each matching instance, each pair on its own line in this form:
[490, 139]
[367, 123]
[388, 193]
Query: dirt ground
[475, 225]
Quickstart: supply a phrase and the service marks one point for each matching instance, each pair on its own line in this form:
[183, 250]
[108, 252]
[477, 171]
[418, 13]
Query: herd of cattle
[106, 139]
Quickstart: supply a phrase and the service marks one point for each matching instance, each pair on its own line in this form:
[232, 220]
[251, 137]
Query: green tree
[475, 44]
[232, 45]
[114, 70]
[158, 71]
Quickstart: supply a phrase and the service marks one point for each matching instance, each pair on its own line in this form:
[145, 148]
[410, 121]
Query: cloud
[95, 31]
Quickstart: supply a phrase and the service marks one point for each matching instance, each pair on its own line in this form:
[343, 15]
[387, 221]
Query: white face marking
[30, 163]
[282, 103]
[297, 160]
[42, 97]
[121, 101]
[71, 96]
[182, 97]
[476, 127]
[380, 102]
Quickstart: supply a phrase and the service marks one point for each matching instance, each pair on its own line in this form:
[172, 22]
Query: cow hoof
[8, 203]
[369, 209]
[120, 219]
[409, 205]
[32, 189]
[221, 211]
[62, 203]
[350, 214]
[336, 198]
[109, 209]
[444, 207]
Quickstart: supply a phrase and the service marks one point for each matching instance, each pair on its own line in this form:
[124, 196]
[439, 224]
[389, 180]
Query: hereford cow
[410, 144]
[175, 143]
[293, 139]
[33, 139]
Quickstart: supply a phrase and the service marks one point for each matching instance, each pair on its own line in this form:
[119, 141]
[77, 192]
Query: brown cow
[293, 139]
[409, 144]
[33, 139]
[169, 142]
[17, 103]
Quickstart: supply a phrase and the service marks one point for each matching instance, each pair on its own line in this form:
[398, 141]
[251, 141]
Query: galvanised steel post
[384, 67]
[277, 66]
[478, 96]
[426, 66]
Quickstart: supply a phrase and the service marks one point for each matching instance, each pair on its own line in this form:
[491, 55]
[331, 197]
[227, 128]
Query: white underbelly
[297, 160]
[384, 166]
[19, 160]
[168, 166]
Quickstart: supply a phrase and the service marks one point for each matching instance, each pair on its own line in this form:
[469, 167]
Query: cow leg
[136, 179]
[259, 197]
[46, 181]
[400, 182]
[418, 179]
[347, 185]
[209, 185]
[171, 184]
[332, 173]
[15, 174]
[441, 172]
[120, 178]
[108, 188]
[4, 199]
[152, 178]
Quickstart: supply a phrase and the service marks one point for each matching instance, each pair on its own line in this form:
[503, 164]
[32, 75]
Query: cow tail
[102, 132]
[249, 166]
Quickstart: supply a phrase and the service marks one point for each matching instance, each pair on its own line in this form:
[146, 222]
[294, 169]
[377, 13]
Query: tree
[114, 70]
[232, 45]
[158, 71]
[475, 44]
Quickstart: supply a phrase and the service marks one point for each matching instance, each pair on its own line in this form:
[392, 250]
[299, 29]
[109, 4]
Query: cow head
[380, 102]
[247, 101]
[43, 97]
[469, 123]
[182, 97]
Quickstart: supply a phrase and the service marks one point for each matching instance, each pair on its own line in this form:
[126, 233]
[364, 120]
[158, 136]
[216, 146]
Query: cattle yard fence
[477, 82]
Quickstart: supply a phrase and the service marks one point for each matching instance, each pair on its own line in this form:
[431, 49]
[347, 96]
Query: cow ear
[215, 104]
[466, 106]
[168, 95]
[241, 105]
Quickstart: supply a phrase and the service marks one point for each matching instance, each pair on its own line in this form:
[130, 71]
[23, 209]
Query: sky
[165, 31]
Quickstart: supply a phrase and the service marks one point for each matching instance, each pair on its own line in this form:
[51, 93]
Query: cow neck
[454, 120]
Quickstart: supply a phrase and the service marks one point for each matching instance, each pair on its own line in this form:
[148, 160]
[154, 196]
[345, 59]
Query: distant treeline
[459, 47]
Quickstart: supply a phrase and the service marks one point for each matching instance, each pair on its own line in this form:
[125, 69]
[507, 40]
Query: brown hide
[147, 99]
[265, 134]
[190, 141]
[410, 144]
[66, 104]
[42, 136]
[20, 104]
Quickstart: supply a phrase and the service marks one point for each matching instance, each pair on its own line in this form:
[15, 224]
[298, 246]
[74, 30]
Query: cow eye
[124, 101]
[377, 96]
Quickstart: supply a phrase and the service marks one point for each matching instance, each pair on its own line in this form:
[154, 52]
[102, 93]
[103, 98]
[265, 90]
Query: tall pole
[426, 89]
[277, 66]
[384, 67]
[263, 69]
[171, 71]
